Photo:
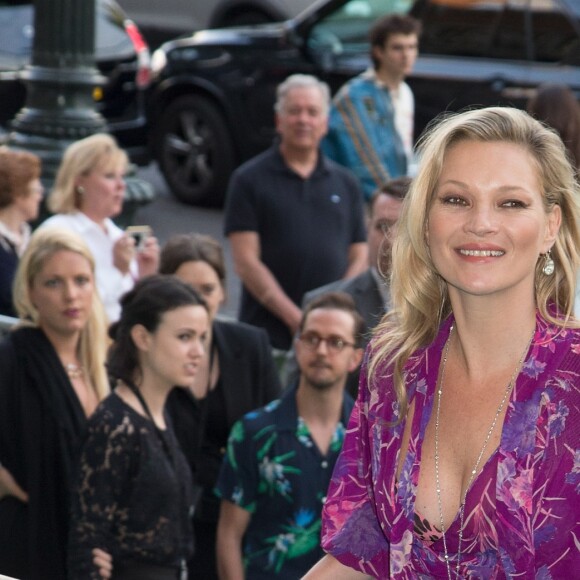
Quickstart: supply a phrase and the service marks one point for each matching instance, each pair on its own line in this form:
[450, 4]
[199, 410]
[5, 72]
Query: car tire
[195, 151]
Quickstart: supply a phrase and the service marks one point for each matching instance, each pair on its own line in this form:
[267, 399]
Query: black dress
[133, 498]
[42, 424]
[8, 266]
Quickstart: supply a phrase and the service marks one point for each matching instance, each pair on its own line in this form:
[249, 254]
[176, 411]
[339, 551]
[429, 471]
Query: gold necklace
[475, 469]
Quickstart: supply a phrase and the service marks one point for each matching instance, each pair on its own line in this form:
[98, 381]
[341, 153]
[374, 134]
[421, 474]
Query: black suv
[212, 96]
[122, 57]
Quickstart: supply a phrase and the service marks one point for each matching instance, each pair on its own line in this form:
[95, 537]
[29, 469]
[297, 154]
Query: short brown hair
[192, 248]
[392, 24]
[17, 170]
[397, 188]
[336, 301]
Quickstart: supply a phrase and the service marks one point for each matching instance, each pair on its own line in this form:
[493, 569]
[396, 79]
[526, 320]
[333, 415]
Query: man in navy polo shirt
[294, 218]
[280, 458]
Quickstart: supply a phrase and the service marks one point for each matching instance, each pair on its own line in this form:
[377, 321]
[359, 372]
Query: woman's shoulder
[20, 339]
[60, 220]
[240, 333]
[114, 416]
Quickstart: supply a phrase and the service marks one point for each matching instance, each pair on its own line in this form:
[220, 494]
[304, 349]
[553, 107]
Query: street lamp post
[60, 80]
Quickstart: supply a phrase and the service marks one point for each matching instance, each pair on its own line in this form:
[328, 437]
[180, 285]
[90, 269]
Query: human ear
[141, 337]
[553, 224]
[356, 359]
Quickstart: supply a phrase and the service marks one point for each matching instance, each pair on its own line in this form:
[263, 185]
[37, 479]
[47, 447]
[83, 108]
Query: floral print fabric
[274, 470]
[521, 511]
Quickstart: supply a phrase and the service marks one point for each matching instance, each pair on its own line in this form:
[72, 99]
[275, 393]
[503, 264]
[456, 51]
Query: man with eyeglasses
[280, 458]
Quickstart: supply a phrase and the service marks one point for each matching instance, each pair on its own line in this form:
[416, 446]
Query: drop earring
[549, 266]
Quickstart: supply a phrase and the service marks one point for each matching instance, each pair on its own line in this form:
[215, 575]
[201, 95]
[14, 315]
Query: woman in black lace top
[134, 496]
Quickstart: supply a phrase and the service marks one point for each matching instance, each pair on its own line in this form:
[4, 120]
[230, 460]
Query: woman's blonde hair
[419, 295]
[93, 342]
[80, 158]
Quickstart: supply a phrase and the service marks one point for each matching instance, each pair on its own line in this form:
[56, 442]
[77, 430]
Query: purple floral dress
[521, 511]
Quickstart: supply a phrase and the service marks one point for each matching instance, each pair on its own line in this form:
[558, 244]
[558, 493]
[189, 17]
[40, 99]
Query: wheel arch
[229, 9]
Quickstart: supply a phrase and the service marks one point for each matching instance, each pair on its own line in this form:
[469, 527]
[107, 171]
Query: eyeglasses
[334, 344]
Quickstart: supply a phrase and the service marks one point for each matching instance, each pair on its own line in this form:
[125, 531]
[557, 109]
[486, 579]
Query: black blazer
[365, 293]
[368, 301]
[249, 380]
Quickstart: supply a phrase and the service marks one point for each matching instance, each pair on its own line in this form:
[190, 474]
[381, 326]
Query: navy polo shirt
[274, 470]
[305, 226]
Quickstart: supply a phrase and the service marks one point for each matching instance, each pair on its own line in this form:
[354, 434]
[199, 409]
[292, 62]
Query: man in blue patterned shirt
[280, 458]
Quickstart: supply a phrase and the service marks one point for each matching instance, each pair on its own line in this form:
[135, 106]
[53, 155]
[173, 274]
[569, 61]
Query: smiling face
[487, 224]
[303, 120]
[62, 293]
[104, 190]
[171, 354]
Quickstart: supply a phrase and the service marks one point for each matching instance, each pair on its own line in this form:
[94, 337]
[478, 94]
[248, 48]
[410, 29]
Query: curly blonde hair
[420, 300]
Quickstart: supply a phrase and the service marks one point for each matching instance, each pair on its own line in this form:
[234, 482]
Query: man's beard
[320, 384]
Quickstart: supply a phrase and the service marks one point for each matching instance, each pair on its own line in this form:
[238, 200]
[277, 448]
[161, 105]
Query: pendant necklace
[475, 469]
[74, 371]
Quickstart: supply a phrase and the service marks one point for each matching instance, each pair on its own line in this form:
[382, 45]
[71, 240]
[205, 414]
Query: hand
[104, 562]
[8, 486]
[123, 253]
[148, 257]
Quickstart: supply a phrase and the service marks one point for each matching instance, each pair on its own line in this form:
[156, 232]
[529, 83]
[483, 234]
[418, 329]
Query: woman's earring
[549, 266]
[80, 190]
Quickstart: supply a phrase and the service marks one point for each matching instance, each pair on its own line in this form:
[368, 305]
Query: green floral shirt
[274, 470]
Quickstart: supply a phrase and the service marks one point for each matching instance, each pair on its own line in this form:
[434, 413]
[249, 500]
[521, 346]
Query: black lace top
[134, 496]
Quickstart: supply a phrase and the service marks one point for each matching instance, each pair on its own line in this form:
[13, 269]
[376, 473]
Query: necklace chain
[74, 371]
[475, 469]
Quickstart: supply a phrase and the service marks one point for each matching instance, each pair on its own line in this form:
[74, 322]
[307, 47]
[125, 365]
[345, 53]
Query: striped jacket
[362, 134]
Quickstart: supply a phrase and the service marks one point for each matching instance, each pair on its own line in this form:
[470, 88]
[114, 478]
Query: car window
[536, 30]
[346, 30]
[556, 33]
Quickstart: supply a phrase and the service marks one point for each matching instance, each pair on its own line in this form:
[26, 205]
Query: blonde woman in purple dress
[462, 457]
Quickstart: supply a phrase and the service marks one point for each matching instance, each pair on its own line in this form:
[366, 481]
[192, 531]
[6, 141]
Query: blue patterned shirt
[274, 470]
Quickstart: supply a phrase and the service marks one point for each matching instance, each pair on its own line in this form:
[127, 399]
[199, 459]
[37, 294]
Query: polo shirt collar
[287, 411]
[322, 163]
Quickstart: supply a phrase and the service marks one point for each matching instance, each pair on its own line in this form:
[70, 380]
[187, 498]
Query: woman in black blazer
[238, 376]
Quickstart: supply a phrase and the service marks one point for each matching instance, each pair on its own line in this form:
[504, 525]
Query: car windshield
[346, 29]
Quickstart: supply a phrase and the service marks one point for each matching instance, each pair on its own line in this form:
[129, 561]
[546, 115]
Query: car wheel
[195, 150]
